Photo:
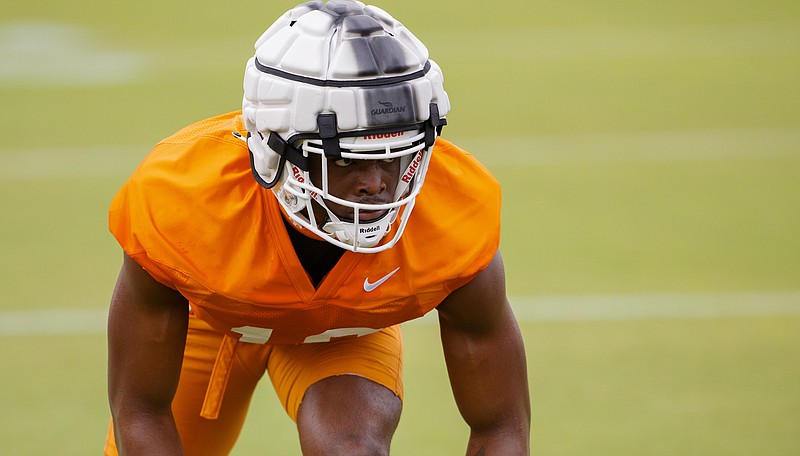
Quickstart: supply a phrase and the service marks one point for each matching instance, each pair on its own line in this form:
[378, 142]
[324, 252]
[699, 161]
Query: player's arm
[147, 326]
[486, 364]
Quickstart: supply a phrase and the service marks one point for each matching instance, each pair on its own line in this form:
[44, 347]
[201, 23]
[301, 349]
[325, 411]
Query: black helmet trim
[344, 83]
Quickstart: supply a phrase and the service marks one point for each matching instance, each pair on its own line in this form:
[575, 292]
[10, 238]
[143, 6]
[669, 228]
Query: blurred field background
[650, 158]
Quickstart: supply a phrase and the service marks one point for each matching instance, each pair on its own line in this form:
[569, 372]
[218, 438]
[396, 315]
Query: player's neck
[317, 256]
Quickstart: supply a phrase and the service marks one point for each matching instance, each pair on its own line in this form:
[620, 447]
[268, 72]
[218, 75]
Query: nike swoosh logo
[371, 286]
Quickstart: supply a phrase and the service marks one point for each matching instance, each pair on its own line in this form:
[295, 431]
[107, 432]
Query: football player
[293, 237]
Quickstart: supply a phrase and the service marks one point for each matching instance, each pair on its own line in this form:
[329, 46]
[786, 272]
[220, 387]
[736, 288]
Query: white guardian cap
[341, 81]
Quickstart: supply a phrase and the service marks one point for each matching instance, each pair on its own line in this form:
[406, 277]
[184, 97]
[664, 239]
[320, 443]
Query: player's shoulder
[450, 159]
[220, 128]
[445, 146]
[199, 153]
[202, 167]
[449, 149]
[455, 174]
[194, 191]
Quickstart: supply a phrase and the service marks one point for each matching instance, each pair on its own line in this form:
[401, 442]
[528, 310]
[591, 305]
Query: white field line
[543, 150]
[52, 322]
[70, 162]
[30, 50]
[656, 306]
[527, 309]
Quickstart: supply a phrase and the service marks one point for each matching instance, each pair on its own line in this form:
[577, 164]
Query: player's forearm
[488, 375]
[147, 434]
[494, 402]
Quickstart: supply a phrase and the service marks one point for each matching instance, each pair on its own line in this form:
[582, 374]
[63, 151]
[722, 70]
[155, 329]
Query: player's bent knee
[348, 415]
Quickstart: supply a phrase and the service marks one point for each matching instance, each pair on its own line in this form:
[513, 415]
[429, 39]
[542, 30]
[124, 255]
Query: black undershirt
[317, 257]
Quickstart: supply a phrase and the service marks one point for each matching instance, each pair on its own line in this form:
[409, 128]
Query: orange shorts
[219, 375]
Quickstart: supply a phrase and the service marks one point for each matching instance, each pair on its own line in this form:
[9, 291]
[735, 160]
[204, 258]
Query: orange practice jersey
[194, 217]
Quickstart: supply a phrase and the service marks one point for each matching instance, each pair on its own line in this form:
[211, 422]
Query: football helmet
[341, 81]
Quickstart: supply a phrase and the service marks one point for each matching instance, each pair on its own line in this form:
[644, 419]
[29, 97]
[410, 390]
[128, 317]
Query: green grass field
[650, 159]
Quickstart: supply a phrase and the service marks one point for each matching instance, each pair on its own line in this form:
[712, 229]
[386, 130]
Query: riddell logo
[385, 135]
[388, 108]
[412, 169]
[369, 230]
[297, 174]
[299, 177]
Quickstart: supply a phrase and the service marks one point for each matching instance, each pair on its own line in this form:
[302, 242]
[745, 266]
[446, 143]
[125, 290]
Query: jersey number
[254, 335]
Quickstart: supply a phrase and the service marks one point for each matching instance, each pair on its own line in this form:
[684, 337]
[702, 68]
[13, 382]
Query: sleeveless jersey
[195, 219]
